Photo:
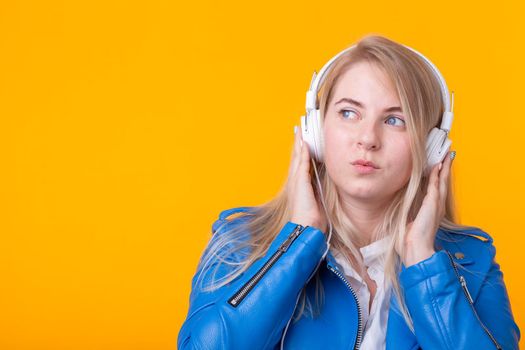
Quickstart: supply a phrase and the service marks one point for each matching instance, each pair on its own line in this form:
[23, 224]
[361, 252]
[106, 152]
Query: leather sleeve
[442, 315]
[257, 320]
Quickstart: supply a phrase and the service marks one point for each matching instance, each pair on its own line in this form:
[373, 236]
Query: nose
[368, 136]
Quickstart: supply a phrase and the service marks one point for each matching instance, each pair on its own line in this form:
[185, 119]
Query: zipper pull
[464, 285]
[296, 232]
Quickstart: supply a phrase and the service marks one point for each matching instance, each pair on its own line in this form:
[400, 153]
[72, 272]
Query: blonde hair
[250, 235]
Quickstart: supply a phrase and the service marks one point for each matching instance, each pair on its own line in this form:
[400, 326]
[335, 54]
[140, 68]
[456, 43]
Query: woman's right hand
[306, 209]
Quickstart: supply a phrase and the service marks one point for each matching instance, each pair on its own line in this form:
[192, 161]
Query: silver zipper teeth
[248, 286]
[360, 321]
[471, 302]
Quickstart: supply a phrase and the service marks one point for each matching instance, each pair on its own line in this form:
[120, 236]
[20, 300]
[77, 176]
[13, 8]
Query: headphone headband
[317, 80]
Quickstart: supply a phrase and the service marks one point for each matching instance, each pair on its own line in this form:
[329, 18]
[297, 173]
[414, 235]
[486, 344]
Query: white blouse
[375, 319]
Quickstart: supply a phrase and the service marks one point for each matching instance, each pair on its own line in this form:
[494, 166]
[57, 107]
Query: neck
[365, 215]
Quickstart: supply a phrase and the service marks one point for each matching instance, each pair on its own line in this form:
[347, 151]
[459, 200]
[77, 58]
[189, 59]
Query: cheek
[401, 160]
[336, 149]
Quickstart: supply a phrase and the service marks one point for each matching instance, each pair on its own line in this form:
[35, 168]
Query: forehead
[365, 80]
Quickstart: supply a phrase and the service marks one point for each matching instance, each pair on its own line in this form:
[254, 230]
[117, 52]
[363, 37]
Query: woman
[395, 270]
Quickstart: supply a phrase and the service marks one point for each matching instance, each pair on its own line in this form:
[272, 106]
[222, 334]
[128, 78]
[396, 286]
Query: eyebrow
[361, 105]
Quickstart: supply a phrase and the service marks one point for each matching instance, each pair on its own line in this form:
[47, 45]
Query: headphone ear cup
[313, 136]
[318, 135]
[437, 147]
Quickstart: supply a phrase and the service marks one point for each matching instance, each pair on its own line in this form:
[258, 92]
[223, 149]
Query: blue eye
[394, 117]
[342, 112]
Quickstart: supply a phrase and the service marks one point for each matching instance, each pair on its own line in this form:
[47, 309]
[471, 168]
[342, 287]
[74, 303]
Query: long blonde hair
[422, 103]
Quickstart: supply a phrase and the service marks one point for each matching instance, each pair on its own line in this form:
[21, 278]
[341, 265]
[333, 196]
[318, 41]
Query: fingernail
[440, 165]
[295, 129]
[452, 155]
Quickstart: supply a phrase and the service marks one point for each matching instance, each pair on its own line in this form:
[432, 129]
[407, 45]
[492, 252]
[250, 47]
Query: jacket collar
[462, 250]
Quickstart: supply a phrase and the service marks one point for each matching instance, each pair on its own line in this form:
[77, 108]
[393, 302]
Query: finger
[444, 176]
[304, 166]
[433, 185]
[296, 151]
[300, 152]
[296, 175]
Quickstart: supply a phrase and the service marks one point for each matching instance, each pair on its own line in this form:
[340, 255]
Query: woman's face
[363, 120]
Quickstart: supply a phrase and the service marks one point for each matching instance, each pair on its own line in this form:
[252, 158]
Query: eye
[392, 117]
[344, 112]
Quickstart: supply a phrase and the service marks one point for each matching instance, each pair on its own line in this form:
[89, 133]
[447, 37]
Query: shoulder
[472, 232]
[231, 217]
[467, 245]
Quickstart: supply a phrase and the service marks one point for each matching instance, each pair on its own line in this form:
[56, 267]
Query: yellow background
[127, 126]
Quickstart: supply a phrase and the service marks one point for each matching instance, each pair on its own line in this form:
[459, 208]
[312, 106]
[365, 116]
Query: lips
[365, 163]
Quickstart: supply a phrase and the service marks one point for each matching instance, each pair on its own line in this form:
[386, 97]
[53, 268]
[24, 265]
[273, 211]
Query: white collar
[371, 252]
[374, 250]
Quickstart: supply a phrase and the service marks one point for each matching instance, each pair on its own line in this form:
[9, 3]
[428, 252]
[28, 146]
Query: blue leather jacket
[452, 308]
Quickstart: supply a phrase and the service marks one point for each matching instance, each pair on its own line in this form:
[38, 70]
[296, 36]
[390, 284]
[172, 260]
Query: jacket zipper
[463, 283]
[238, 297]
[359, 315]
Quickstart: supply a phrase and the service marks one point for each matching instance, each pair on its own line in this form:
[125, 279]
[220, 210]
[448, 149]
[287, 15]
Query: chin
[361, 192]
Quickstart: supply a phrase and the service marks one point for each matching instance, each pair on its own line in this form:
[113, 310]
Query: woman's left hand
[421, 233]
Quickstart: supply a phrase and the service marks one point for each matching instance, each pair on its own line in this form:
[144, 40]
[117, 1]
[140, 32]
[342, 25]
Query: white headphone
[437, 144]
